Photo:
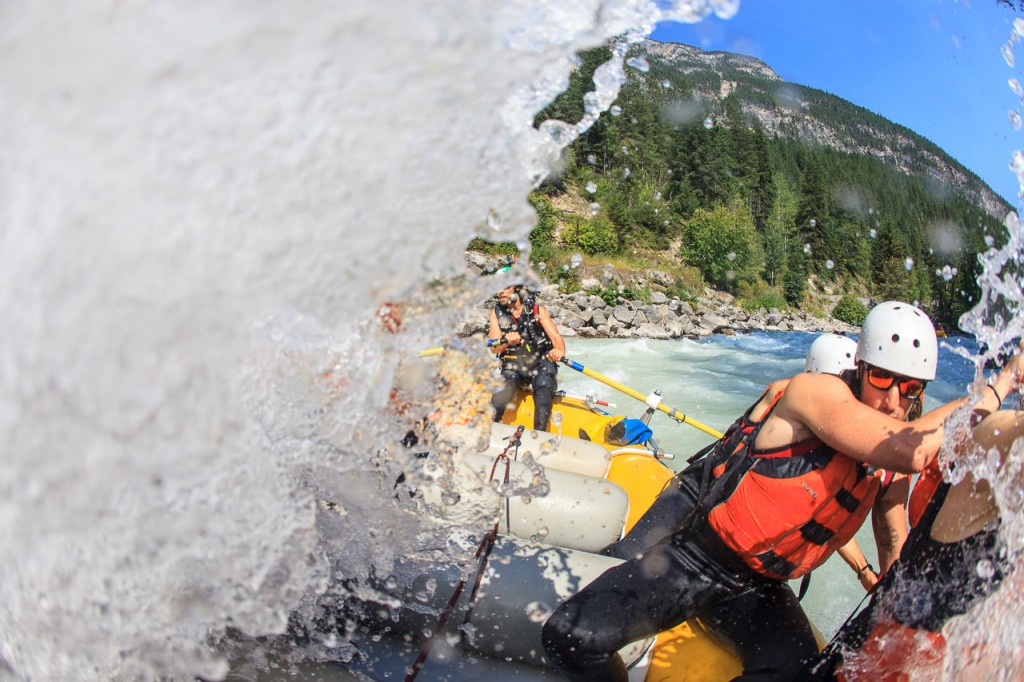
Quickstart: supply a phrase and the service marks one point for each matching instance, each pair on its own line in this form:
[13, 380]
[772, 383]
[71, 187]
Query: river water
[201, 207]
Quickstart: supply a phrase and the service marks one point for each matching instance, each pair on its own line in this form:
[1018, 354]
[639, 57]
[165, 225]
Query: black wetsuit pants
[668, 577]
[542, 376]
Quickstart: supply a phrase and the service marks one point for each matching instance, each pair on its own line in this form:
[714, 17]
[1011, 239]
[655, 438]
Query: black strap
[805, 583]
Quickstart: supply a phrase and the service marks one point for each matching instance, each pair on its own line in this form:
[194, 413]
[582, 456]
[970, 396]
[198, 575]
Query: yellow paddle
[675, 414]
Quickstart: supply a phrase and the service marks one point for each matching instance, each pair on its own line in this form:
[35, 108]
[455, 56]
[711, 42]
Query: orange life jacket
[892, 652]
[787, 509]
[924, 490]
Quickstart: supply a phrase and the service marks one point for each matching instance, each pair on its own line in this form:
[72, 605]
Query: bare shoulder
[816, 390]
[1000, 430]
[795, 416]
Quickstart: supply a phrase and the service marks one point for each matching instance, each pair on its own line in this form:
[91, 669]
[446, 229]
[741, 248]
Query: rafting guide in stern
[523, 335]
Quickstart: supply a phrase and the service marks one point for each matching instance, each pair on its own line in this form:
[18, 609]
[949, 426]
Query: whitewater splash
[199, 207]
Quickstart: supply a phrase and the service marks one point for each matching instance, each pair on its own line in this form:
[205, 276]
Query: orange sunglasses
[883, 379]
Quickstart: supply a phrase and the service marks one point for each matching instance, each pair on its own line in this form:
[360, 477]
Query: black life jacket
[527, 325]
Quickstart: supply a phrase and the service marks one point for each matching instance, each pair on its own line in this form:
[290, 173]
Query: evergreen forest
[770, 218]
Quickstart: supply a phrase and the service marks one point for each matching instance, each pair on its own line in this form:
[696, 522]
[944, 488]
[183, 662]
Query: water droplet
[989, 241]
[565, 266]
[708, 123]
[985, 569]
[595, 207]
[493, 220]
[666, 84]
[538, 611]
[591, 187]
[873, 233]
[626, 172]
[829, 264]
[542, 267]
[616, 110]
[577, 260]
[955, 272]
[657, 196]
[725, 9]
[591, 159]
[560, 132]
[625, 149]
[813, 222]
[908, 263]
[948, 273]
[807, 248]
[731, 256]
[641, 65]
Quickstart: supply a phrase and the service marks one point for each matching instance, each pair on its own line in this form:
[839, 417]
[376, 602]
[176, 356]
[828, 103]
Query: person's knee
[503, 396]
[545, 383]
[555, 637]
[570, 639]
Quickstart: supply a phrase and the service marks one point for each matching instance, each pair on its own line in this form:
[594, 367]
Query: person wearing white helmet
[788, 484]
[836, 354]
[737, 619]
[831, 354]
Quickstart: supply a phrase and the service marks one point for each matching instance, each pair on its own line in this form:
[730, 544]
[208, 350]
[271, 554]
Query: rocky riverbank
[587, 315]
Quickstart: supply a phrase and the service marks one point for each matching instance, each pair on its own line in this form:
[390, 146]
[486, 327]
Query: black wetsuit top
[931, 583]
[935, 581]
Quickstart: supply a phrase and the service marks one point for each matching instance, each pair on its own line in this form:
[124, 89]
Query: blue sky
[934, 66]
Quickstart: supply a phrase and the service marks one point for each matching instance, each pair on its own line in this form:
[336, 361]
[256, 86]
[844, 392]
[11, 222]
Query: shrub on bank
[850, 310]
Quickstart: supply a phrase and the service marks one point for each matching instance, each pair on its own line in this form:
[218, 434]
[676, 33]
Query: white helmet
[900, 338]
[831, 354]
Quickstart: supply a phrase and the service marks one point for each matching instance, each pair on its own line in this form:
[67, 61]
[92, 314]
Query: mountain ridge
[790, 109]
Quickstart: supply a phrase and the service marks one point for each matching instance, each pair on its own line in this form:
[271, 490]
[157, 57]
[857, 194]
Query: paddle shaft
[672, 412]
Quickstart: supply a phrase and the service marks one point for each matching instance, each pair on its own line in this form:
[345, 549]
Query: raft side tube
[577, 512]
[551, 450]
[521, 587]
[522, 584]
